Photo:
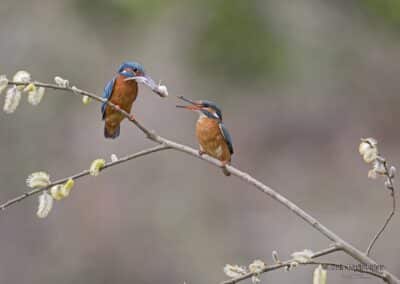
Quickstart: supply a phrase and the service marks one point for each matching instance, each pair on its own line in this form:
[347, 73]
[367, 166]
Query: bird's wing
[227, 136]
[107, 94]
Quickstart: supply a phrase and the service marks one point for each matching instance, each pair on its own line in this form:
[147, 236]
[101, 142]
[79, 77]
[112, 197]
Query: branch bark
[339, 242]
[82, 174]
[389, 185]
[288, 263]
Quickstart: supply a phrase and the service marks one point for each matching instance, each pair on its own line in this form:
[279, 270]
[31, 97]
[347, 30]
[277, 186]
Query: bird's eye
[135, 70]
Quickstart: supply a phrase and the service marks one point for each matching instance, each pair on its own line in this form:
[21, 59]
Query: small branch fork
[390, 186]
[340, 244]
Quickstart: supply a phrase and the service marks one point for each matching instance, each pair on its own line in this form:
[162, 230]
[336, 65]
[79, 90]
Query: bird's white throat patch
[201, 114]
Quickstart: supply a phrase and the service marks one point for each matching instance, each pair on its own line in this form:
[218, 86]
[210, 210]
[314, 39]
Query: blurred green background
[300, 82]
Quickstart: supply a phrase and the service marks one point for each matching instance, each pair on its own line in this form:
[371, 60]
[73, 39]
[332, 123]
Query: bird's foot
[224, 163]
[201, 153]
[117, 107]
[224, 169]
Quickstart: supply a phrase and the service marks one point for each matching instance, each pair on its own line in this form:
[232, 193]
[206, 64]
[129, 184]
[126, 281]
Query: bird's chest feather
[124, 93]
[210, 138]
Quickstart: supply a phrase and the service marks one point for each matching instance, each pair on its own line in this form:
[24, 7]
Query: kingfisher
[212, 135]
[122, 91]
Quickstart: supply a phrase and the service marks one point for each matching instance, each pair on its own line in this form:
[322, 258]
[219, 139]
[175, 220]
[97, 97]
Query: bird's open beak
[193, 105]
[188, 100]
[148, 81]
[190, 107]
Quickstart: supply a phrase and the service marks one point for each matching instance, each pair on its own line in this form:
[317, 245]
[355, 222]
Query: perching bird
[213, 137]
[122, 91]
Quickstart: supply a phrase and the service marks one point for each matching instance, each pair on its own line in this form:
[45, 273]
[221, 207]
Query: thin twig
[82, 174]
[340, 243]
[279, 265]
[289, 263]
[348, 267]
[390, 186]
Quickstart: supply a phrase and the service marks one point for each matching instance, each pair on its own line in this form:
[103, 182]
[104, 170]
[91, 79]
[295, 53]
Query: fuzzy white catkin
[114, 158]
[234, 271]
[22, 76]
[13, 97]
[45, 205]
[302, 256]
[368, 149]
[96, 167]
[256, 266]
[38, 180]
[86, 100]
[35, 97]
[29, 88]
[61, 82]
[55, 192]
[370, 155]
[320, 275]
[61, 191]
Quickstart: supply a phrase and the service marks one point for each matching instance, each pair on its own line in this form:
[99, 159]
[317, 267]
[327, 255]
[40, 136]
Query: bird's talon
[117, 107]
[132, 117]
[223, 164]
[201, 153]
[224, 169]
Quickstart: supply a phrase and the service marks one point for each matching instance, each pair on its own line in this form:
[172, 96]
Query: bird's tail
[111, 131]
[225, 171]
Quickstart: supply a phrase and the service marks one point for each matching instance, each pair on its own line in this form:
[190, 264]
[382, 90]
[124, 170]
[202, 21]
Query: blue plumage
[209, 129]
[107, 95]
[122, 91]
[227, 136]
[138, 70]
[212, 105]
[135, 66]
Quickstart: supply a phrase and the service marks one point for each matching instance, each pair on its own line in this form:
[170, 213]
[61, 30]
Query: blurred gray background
[300, 82]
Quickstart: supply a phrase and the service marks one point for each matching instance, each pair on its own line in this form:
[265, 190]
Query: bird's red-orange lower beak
[189, 107]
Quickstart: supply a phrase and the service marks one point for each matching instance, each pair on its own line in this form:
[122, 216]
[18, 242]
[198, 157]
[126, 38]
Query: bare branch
[340, 243]
[289, 263]
[82, 174]
[389, 185]
[347, 267]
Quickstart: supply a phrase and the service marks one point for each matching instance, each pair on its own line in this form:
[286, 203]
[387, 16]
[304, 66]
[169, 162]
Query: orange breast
[124, 94]
[211, 139]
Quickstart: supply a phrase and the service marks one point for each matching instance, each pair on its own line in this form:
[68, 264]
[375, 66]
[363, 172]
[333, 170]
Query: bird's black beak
[188, 100]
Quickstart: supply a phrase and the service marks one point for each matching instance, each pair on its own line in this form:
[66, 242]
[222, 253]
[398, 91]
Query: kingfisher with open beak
[122, 91]
[212, 135]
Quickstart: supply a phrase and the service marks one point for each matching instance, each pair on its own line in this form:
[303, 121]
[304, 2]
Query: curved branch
[82, 174]
[348, 267]
[340, 243]
[389, 217]
[279, 265]
[390, 186]
[287, 264]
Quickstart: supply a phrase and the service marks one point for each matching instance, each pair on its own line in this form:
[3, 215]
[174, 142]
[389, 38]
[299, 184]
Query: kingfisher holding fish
[212, 135]
[122, 91]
